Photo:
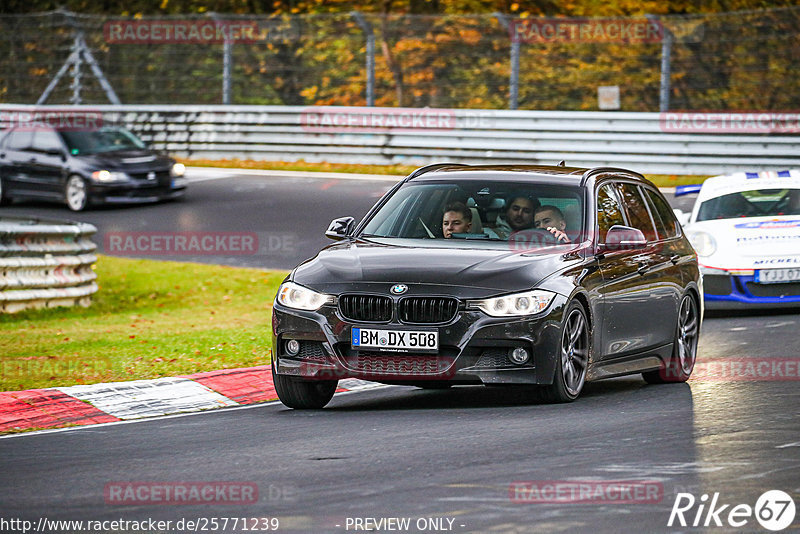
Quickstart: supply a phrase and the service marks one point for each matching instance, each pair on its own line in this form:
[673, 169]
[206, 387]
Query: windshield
[755, 203]
[109, 139]
[482, 213]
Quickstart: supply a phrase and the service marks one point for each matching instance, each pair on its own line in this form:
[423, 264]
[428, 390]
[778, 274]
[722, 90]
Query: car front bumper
[135, 192]
[473, 348]
[728, 291]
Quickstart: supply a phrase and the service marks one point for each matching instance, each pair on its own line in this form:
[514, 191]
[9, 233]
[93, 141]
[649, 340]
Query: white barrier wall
[658, 143]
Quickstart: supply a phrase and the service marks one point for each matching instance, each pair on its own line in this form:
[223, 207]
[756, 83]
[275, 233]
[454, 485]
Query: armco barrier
[669, 143]
[45, 264]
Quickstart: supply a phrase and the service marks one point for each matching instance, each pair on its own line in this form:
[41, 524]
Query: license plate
[403, 340]
[777, 276]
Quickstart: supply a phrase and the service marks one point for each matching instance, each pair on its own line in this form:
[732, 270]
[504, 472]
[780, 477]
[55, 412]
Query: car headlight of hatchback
[515, 305]
[703, 242]
[177, 170]
[108, 176]
[298, 297]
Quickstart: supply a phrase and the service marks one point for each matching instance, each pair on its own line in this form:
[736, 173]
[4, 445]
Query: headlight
[703, 243]
[298, 297]
[518, 304]
[177, 170]
[107, 176]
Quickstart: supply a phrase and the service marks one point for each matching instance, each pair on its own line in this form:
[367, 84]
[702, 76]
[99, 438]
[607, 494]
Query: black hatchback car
[82, 167]
[549, 276]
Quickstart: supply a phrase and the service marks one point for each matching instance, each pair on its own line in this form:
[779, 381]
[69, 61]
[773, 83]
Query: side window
[44, 140]
[609, 212]
[665, 213]
[636, 208]
[19, 140]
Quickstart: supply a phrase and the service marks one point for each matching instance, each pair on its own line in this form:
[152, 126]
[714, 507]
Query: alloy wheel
[76, 193]
[574, 351]
[687, 335]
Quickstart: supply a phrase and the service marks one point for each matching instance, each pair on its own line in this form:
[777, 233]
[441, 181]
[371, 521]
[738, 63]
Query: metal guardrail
[646, 142]
[45, 264]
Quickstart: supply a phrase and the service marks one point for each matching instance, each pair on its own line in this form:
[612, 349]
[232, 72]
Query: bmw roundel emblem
[399, 289]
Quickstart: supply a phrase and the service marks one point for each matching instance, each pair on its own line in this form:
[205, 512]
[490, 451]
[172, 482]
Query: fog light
[292, 347]
[519, 356]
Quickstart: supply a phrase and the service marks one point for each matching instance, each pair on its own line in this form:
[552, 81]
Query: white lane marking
[217, 173]
[91, 428]
[738, 328]
[786, 445]
[779, 325]
[149, 398]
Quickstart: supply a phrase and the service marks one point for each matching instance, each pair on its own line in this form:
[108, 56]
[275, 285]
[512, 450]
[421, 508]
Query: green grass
[149, 319]
[661, 180]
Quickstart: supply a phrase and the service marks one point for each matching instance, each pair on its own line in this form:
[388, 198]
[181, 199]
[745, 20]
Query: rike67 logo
[774, 510]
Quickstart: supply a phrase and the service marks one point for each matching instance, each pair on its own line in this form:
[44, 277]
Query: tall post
[366, 27]
[666, 57]
[513, 82]
[227, 63]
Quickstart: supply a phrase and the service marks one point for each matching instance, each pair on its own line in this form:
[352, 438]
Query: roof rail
[597, 170]
[433, 167]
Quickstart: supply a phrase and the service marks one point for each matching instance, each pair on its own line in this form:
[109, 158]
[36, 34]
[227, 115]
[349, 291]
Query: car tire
[573, 357]
[303, 394]
[76, 193]
[684, 348]
[3, 197]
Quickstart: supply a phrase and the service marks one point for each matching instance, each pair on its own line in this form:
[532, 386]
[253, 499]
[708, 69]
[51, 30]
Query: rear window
[666, 224]
[635, 206]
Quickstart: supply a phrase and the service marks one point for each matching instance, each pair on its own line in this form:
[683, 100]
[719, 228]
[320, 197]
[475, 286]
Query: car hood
[128, 161]
[470, 273]
[752, 243]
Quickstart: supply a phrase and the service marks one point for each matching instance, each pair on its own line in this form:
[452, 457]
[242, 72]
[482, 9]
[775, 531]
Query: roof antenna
[562, 163]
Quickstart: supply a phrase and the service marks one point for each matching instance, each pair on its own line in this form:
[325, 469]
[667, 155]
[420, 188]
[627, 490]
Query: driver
[457, 219]
[551, 218]
[518, 216]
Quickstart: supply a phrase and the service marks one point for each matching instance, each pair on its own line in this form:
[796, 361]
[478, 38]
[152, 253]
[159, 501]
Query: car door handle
[674, 259]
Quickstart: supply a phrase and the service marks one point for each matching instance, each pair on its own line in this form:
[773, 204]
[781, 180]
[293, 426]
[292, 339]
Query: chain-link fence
[729, 61]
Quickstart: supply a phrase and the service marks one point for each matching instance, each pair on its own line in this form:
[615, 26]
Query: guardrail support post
[366, 27]
[513, 82]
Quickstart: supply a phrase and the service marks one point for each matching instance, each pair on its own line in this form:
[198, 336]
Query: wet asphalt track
[403, 452]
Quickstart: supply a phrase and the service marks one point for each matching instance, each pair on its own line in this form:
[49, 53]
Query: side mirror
[340, 228]
[623, 238]
[682, 217]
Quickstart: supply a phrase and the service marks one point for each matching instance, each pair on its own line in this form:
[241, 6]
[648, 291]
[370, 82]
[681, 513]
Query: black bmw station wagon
[529, 275]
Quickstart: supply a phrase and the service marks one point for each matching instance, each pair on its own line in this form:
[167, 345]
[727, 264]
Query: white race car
[745, 228]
